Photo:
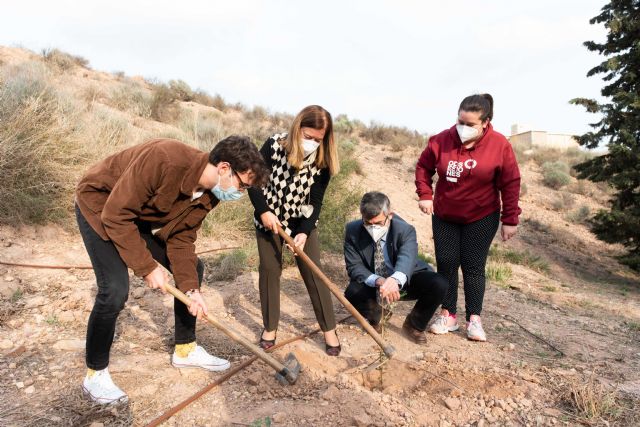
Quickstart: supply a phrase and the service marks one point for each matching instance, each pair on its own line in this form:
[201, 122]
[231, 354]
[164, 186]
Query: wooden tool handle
[388, 349]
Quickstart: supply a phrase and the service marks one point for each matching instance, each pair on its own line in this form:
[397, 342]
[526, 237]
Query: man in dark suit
[381, 256]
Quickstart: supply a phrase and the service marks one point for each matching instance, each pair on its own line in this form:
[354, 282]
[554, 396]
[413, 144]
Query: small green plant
[523, 189]
[555, 174]
[427, 258]
[526, 258]
[498, 272]
[634, 326]
[17, 295]
[549, 288]
[52, 320]
[261, 422]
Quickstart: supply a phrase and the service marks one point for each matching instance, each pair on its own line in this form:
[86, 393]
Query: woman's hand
[198, 307]
[270, 221]
[508, 231]
[157, 279]
[299, 240]
[426, 206]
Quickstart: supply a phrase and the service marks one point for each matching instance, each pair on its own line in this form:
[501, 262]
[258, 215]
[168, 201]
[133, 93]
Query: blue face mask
[226, 195]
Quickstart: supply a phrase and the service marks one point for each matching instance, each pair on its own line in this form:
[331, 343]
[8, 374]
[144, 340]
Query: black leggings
[112, 277]
[466, 246]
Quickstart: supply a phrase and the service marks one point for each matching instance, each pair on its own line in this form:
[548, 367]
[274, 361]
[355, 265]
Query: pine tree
[618, 127]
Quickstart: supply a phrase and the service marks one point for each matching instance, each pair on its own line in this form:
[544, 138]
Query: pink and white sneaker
[444, 323]
[474, 329]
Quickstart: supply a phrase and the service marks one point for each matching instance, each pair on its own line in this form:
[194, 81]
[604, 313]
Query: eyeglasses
[380, 223]
[243, 185]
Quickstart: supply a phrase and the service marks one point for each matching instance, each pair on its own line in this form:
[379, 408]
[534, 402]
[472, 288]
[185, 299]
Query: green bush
[526, 258]
[555, 174]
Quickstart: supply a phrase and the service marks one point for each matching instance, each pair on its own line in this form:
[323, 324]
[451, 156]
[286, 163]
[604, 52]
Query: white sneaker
[444, 324]
[101, 389]
[474, 329]
[199, 358]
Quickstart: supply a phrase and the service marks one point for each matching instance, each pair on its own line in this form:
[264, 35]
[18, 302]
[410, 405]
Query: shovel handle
[388, 349]
[279, 367]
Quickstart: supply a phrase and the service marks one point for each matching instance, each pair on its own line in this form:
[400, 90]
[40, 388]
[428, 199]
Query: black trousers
[466, 246]
[112, 277]
[427, 287]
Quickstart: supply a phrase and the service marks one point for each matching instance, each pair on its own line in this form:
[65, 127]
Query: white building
[523, 134]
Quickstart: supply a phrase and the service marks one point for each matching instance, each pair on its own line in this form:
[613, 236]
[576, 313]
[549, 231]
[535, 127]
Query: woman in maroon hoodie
[476, 170]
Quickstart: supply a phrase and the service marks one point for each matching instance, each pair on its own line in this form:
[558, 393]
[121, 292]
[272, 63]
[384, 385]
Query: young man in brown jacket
[141, 209]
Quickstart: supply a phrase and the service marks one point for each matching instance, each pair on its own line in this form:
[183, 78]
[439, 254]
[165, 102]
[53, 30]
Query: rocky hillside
[562, 316]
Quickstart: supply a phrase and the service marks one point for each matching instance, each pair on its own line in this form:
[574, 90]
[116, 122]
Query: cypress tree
[618, 127]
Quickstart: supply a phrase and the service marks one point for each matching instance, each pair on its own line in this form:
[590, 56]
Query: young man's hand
[197, 307]
[157, 279]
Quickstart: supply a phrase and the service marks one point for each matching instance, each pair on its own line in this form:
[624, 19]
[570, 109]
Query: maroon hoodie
[470, 181]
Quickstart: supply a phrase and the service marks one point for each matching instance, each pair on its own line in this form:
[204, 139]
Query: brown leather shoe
[419, 337]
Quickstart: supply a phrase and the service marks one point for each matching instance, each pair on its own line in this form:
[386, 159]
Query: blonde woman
[301, 162]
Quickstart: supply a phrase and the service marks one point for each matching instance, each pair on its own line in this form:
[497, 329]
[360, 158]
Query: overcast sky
[408, 63]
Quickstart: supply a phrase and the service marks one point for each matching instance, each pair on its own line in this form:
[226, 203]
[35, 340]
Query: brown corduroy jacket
[150, 184]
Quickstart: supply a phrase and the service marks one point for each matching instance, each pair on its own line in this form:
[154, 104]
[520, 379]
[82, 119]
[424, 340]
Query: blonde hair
[315, 117]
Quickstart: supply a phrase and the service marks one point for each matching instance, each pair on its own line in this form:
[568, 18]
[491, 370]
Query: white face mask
[376, 232]
[466, 133]
[309, 146]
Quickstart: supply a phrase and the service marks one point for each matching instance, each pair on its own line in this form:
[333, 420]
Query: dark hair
[373, 203]
[482, 103]
[242, 155]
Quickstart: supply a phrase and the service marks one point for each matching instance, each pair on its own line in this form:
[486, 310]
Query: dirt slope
[539, 340]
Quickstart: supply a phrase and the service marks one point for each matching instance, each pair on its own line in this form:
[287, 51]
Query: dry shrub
[70, 408]
[217, 101]
[62, 61]
[397, 137]
[164, 106]
[230, 265]
[563, 201]
[589, 402]
[132, 98]
[555, 174]
[38, 149]
[580, 215]
[181, 90]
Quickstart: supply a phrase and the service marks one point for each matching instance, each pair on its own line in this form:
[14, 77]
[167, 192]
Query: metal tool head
[289, 374]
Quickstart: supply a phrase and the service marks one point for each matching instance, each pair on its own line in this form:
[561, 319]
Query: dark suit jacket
[401, 246]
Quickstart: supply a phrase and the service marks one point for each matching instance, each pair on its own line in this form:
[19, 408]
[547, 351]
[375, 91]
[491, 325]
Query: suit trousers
[112, 277]
[270, 270]
[427, 287]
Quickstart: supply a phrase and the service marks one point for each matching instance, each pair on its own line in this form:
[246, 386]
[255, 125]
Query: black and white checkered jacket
[288, 189]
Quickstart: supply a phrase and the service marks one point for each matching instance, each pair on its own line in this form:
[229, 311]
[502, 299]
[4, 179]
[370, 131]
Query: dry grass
[38, 147]
[71, 408]
[589, 402]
